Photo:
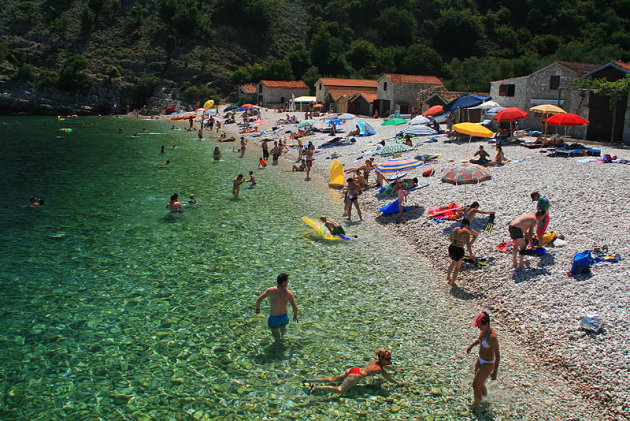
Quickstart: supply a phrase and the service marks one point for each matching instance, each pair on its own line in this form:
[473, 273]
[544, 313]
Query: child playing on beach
[236, 185]
[402, 195]
[262, 163]
[252, 180]
[460, 237]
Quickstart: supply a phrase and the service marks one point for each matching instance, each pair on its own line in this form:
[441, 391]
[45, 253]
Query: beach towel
[504, 246]
[603, 259]
[477, 261]
[391, 208]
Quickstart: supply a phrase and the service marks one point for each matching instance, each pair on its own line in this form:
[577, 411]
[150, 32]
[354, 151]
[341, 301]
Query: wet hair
[382, 353]
[168, 162]
[41, 202]
[535, 195]
[251, 172]
[239, 176]
[465, 222]
[174, 196]
[474, 204]
[322, 218]
[415, 180]
[540, 213]
[485, 320]
[282, 278]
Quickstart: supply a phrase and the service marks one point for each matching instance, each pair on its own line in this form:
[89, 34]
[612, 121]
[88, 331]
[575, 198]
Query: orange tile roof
[248, 88]
[347, 83]
[293, 84]
[369, 96]
[419, 79]
[368, 93]
[623, 65]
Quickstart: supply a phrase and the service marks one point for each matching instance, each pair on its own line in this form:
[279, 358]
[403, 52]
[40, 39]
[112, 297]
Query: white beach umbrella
[419, 120]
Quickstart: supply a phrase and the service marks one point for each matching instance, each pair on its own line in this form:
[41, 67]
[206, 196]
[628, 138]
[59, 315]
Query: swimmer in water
[192, 200]
[33, 202]
[174, 205]
[216, 154]
[251, 178]
[352, 376]
[164, 164]
[163, 150]
[236, 185]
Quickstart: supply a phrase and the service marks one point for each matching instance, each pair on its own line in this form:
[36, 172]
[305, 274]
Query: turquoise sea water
[114, 309]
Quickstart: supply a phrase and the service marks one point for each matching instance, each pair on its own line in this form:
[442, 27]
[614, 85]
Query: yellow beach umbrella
[547, 109]
[473, 129]
[209, 104]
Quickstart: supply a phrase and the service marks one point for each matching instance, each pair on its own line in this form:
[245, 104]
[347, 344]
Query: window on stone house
[320, 86]
[384, 86]
[554, 83]
[260, 88]
[506, 90]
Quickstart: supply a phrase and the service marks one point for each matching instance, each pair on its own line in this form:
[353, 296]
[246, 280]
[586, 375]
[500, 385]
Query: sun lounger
[565, 152]
[532, 145]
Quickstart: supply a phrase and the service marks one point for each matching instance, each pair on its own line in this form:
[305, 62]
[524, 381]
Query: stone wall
[274, 96]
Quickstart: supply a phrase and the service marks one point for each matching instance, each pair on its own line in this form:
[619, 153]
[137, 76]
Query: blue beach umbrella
[466, 101]
[336, 121]
[346, 116]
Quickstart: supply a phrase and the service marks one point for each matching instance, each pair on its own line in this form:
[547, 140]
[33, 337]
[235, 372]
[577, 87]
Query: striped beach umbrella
[465, 174]
[306, 123]
[399, 164]
[346, 116]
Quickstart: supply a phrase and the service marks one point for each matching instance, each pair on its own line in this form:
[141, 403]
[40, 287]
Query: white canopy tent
[302, 100]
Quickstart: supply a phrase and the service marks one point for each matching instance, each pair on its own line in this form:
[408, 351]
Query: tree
[396, 27]
[421, 59]
[171, 43]
[310, 77]
[299, 59]
[71, 73]
[615, 91]
[457, 33]
[326, 52]
[362, 54]
[112, 72]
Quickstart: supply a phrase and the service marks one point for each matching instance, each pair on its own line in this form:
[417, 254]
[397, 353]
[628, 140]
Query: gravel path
[585, 376]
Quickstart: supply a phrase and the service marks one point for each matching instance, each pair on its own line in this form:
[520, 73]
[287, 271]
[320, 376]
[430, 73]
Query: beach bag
[549, 237]
[581, 262]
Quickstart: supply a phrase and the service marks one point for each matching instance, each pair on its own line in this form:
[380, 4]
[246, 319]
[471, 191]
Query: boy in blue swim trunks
[279, 296]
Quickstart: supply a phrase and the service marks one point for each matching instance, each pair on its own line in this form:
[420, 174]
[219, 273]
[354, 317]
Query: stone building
[396, 92]
[247, 90]
[346, 95]
[549, 85]
[277, 93]
[606, 122]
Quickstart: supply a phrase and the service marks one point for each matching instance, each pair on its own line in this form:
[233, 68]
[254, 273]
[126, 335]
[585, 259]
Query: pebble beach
[540, 306]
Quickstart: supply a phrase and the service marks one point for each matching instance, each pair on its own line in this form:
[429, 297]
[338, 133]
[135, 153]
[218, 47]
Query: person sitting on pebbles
[352, 376]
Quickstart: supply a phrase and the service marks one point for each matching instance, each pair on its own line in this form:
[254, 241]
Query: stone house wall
[278, 96]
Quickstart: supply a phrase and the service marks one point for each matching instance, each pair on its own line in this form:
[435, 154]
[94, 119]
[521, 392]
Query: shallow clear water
[113, 308]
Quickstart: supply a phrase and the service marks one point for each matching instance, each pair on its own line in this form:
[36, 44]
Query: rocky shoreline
[540, 306]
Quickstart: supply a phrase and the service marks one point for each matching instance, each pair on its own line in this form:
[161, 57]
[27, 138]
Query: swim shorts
[278, 321]
[456, 253]
[515, 233]
[338, 230]
[265, 154]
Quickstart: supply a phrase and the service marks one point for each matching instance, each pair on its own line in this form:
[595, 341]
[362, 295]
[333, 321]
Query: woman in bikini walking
[353, 375]
[489, 356]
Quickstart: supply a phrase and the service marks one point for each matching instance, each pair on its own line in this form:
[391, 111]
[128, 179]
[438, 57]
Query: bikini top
[484, 343]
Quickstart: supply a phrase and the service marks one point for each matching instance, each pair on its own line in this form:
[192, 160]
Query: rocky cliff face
[16, 98]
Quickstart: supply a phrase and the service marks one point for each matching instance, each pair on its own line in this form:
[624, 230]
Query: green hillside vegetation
[207, 47]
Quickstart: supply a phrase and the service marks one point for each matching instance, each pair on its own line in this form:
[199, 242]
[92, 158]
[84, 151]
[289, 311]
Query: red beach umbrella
[248, 106]
[436, 109]
[510, 114]
[566, 119]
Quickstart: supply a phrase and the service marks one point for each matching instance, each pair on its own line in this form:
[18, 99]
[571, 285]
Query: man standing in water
[279, 296]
